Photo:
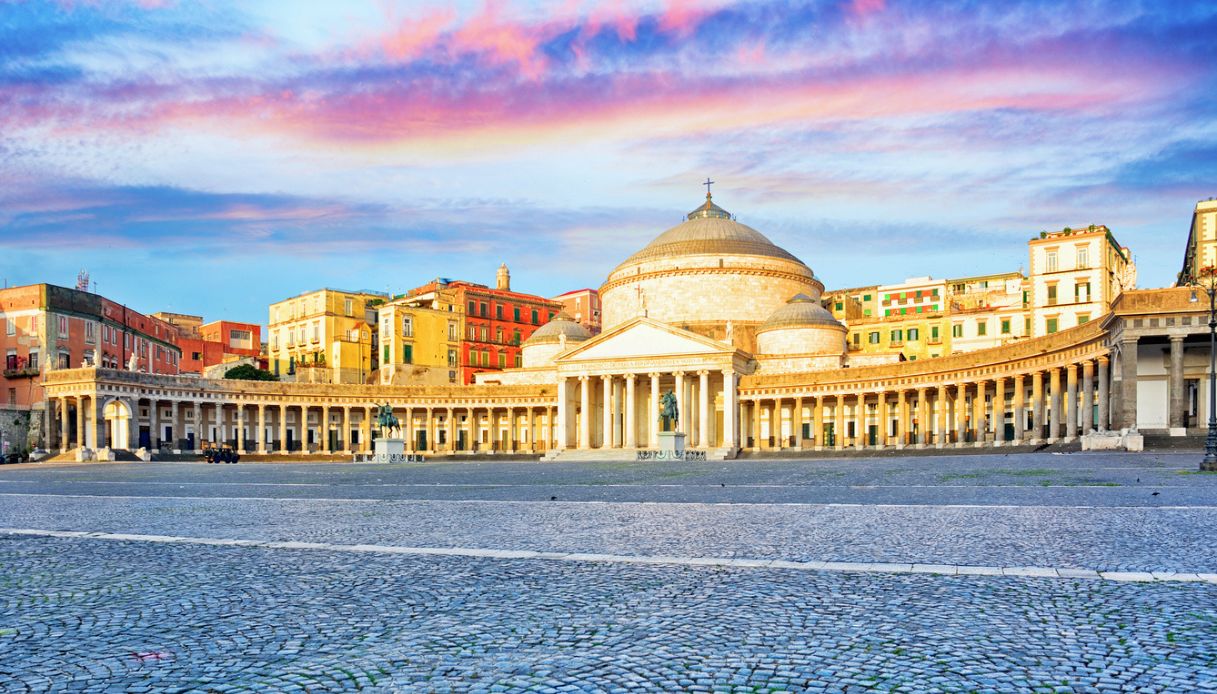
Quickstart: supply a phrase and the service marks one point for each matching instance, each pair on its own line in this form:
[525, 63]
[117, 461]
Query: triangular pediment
[643, 337]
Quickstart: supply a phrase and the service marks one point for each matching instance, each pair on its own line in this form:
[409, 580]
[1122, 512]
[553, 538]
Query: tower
[503, 279]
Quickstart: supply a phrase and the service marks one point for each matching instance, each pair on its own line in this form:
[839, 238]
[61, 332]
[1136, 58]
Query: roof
[562, 324]
[709, 230]
[800, 311]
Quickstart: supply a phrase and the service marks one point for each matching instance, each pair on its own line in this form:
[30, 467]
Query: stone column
[940, 417]
[730, 408]
[1037, 407]
[550, 427]
[961, 410]
[1019, 413]
[450, 429]
[1128, 383]
[838, 422]
[606, 412]
[558, 426]
[631, 427]
[902, 419]
[283, 429]
[999, 411]
[703, 409]
[1087, 412]
[65, 429]
[346, 429]
[585, 414]
[652, 413]
[429, 426]
[96, 427]
[1104, 400]
[796, 423]
[513, 433]
[1178, 421]
[406, 425]
[260, 435]
[365, 429]
[979, 430]
[775, 424]
[1054, 404]
[817, 423]
[756, 424]
[860, 421]
[1071, 402]
[923, 418]
[199, 432]
[241, 428]
[154, 425]
[682, 405]
[323, 432]
[619, 413]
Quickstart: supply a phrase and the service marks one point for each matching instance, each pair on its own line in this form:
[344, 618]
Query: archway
[118, 422]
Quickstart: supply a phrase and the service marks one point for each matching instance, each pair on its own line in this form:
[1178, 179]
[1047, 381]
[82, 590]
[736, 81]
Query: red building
[217, 342]
[43, 326]
[497, 321]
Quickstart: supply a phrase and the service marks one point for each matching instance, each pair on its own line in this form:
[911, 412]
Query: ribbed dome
[800, 311]
[709, 230]
[562, 324]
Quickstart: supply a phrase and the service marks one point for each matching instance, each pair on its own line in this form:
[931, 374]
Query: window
[866, 297]
[933, 332]
[63, 326]
[1083, 257]
[10, 360]
[316, 332]
[348, 307]
[485, 357]
[1081, 292]
[10, 327]
[12, 396]
[897, 336]
[515, 337]
[857, 339]
[498, 335]
[451, 358]
[386, 355]
[516, 313]
[482, 306]
[873, 338]
[957, 330]
[534, 316]
[452, 377]
[407, 326]
[519, 360]
[472, 306]
[65, 360]
[241, 339]
[1005, 326]
[1050, 261]
[1052, 295]
[453, 331]
[90, 332]
[502, 360]
[1083, 318]
[840, 306]
[1026, 326]
[914, 334]
[32, 362]
[1051, 325]
[498, 311]
[407, 354]
[982, 328]
[473, 332]
[485, 334]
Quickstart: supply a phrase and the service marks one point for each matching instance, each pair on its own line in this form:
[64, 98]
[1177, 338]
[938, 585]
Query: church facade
[714, 312]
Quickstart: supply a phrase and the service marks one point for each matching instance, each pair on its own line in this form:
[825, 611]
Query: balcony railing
[23, 372]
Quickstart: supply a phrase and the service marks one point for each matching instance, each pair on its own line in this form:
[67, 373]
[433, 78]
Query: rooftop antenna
[82, 281]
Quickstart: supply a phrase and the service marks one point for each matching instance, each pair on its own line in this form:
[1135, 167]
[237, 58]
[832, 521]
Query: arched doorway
[118, 422]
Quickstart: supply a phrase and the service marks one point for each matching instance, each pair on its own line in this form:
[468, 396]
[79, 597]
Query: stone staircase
[571, 455]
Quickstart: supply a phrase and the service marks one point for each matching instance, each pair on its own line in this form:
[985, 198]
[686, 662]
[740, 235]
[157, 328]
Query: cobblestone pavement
[91, 614]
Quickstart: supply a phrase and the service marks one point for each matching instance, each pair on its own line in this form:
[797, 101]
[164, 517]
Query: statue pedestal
[389, 450]
[672, 442]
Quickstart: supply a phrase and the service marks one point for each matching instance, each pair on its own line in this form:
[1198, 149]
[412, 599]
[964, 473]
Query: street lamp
[1206, 280]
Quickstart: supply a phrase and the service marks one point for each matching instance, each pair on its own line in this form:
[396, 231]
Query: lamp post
[1206, 279]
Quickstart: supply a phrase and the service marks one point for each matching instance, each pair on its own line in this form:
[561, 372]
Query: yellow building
[324, 336]
[420, 339]
[1076, 275]
[1201, 248]
[852, 304]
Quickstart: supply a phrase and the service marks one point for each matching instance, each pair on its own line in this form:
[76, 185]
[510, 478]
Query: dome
[709, 230]
[800, 311]
[562, 324]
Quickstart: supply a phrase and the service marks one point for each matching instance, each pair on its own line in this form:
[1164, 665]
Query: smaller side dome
[551, 332]
[800, 311]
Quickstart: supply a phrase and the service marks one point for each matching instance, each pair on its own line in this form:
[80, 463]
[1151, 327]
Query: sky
[213, 157]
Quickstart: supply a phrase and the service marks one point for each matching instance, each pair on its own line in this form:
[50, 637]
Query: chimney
[503, 279]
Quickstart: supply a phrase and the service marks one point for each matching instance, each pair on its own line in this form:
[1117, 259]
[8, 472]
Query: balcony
[934, 341]
[23, 372]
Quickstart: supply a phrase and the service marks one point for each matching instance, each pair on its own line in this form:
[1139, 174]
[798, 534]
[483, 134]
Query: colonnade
[1042, 406]
[91, 421]
[622, 411]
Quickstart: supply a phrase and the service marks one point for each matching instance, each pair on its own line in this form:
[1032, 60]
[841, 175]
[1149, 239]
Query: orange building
[497, 321]
[217, 342]
[46, 327]
[584, 306]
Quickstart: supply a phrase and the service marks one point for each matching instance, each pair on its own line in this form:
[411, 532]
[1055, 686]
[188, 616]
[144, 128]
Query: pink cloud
[681, 17]
[503, 41]
[410, 38]
[864, 8]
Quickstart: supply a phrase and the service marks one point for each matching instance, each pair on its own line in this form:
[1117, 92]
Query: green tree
[249, 372]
